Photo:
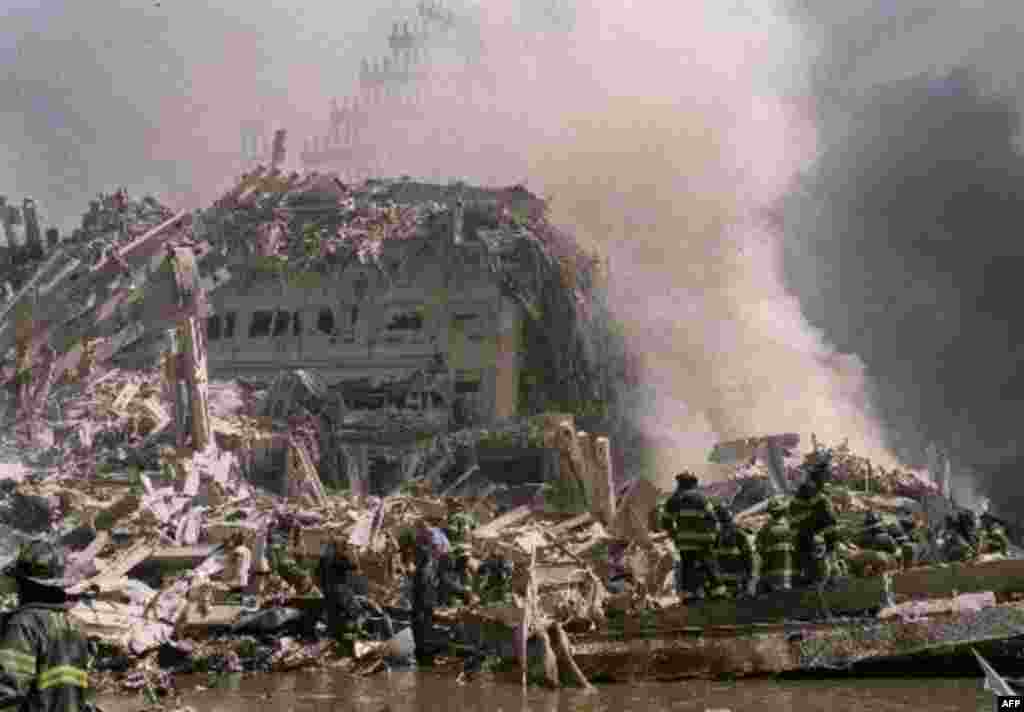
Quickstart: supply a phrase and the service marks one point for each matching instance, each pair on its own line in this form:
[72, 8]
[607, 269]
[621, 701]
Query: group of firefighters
[43, 658]
[800, 545]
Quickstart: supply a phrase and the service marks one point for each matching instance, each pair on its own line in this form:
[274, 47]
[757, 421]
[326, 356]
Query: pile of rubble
[197, 509]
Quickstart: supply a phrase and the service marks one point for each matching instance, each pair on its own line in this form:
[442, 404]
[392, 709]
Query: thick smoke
[662, 133]
[905, 243]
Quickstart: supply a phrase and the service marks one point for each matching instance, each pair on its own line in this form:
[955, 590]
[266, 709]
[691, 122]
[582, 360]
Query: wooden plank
[175, 556]
[492, 529]
[112, 574]
[570, 524]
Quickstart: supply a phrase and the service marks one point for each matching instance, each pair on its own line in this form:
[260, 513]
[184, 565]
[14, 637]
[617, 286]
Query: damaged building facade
[431, 311]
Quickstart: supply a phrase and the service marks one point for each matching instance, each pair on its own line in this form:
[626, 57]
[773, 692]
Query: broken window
[325, 321]
[281, 323]
[470, 325]
[261, 324]
[297, 324]
[467, 387]
[213, 327]
[229, 325]
[405, 321]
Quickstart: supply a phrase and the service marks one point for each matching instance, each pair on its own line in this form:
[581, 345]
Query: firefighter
[426, 585]
[736, 554]
[43, 656]
[817, 534]
[344, 590]
[494, 580]
[961, 537]
[913, 543]
[995, 540]
[878, 552]
[690, 521]
[775, 547]
[459, 526]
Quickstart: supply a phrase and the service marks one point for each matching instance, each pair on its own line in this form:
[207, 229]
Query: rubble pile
[197, 509]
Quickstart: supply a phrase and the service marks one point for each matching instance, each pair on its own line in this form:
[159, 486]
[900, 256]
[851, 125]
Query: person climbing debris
[736, 554]
[44, 658]
[690, 521]
[775, 547]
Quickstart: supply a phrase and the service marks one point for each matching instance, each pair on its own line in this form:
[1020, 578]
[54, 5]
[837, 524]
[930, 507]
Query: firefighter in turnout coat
[775, 547]
[690, 521]
[736, 554]
[43, 656]
[814, 520]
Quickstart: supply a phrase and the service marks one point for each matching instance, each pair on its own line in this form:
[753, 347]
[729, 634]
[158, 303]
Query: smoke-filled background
[903, 239]
[799, 205]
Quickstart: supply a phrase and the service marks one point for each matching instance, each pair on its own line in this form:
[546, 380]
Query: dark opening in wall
[281, 323]
[467, 387]
[261, 324]
[229, 325]
[297, 324]
[213, 327]
[406, 321]
[325, 321]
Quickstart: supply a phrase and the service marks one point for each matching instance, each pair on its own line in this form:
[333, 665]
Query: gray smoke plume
[662, 132]
[904, 237]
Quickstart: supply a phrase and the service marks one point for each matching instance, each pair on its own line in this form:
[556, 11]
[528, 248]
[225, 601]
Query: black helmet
[686, 479]
[872, 520]
[908, 524]
[43, 563]
[722, 514]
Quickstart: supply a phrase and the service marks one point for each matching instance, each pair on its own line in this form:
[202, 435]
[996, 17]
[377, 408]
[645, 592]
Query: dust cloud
[664, 135]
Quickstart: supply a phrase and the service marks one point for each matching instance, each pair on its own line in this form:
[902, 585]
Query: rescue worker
[995, 539]
[899, 536]
[690, 521]
[494, 580]
[956, 545]
[43, 656]
[620, 577]
[425, 591]
[817, 533]
[878, 552]
[962, 541]
[800, 509]
[914, 543]
[458, 527]
[736, 554]
[345, 593]
[775, 547]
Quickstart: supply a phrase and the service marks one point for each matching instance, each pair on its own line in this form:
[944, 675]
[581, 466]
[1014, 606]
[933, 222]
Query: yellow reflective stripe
[692, 513]
[63, 675]
[690, 534]
[779, 547]
[20, 663]
[728, 552]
